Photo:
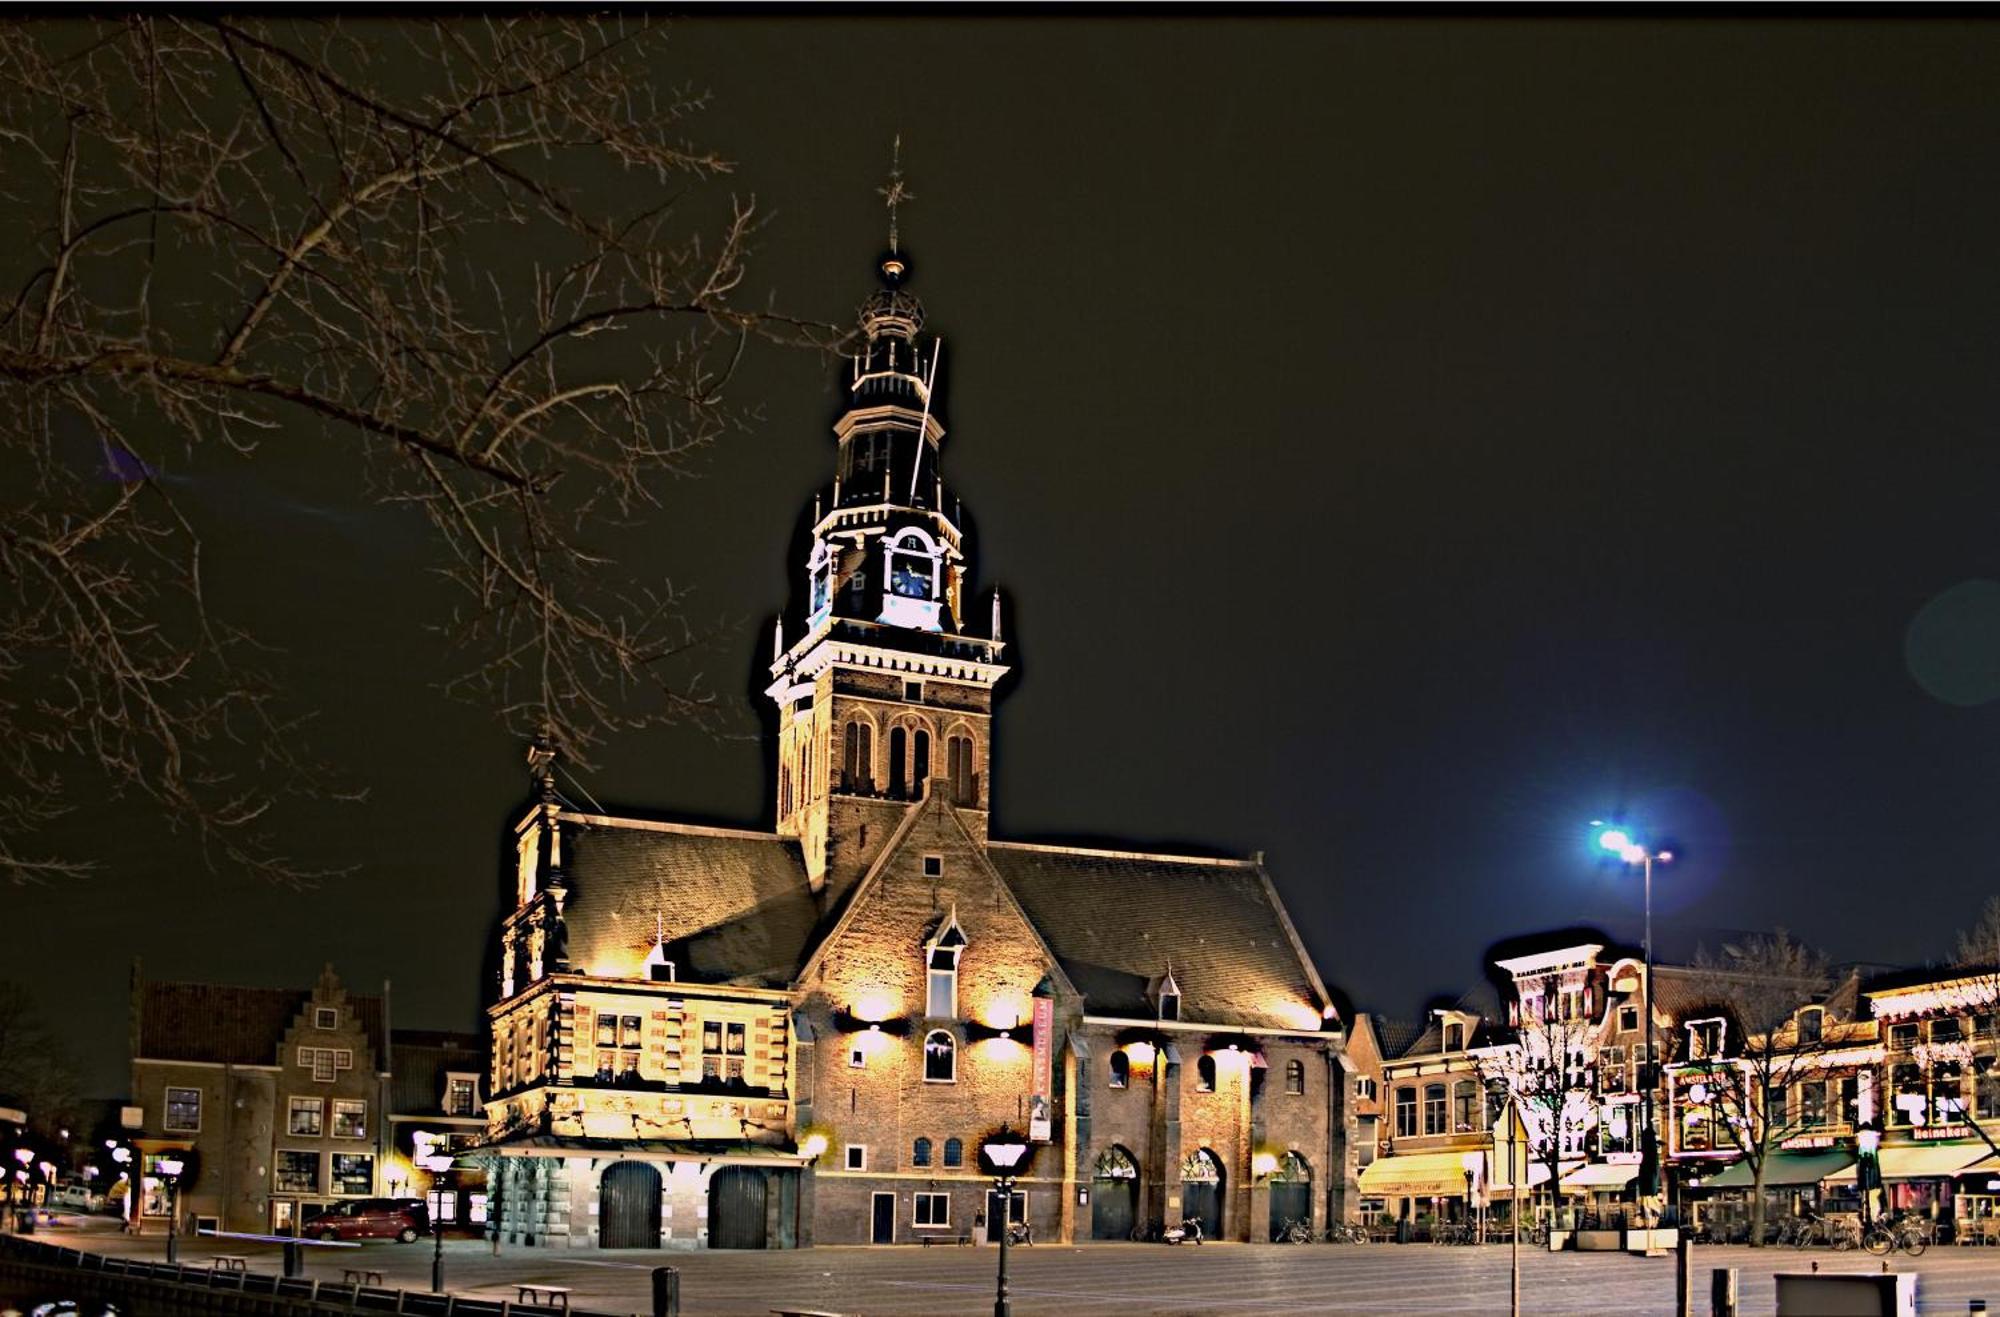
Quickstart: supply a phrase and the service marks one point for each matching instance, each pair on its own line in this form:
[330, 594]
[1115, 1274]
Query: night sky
[1400, 444]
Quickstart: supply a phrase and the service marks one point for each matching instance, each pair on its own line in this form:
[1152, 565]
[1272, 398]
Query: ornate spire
[894, 193]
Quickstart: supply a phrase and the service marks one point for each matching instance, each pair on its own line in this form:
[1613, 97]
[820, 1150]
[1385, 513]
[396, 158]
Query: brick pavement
[1118, 1280]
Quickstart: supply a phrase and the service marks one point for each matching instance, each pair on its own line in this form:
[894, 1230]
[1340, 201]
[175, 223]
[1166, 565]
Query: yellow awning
[1922, 1161]
[1416, 1175]
[1601, 1175]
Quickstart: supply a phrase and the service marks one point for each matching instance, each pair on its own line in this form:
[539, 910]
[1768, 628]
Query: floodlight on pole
[1620, 842]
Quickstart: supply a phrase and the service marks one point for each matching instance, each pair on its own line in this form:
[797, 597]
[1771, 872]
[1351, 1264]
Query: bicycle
[1295, 1232]
[1913, 1236]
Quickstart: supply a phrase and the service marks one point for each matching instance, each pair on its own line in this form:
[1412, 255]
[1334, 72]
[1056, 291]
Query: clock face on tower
[911, 577]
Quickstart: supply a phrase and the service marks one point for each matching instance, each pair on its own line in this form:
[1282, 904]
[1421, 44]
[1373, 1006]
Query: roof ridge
[1224, 862]
[668, 825]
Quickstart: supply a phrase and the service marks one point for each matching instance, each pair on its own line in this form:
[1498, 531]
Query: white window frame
[933, 866]
[278, 1185]
[326, 1017]
[856, 1157]
[1364, 1088]
[454, 1076]
[935, 1199]
[857, 1058]
[167, 1110]
[295, 1103]
[475, 1207]
[442, 1204]
[333, 1178]
[334, 1113]
[952, 1043]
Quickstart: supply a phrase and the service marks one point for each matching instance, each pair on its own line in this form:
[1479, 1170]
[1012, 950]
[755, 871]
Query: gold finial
[895, 193]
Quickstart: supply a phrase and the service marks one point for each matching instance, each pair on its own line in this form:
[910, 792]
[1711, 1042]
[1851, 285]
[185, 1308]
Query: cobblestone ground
[1118, 1280]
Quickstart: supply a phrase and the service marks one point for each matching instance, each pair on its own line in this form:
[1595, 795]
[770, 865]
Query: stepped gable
[1118, 920]
[228, 1025]
[733, 906]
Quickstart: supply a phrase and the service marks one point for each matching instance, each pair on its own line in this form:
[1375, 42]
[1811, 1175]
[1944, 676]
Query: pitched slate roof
[226, 1024]
[419, 1061]
[1395, 1036]
[1116, 920]
[735, 906]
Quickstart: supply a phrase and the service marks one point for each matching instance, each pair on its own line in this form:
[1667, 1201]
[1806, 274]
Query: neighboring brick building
[275, 1097]
[437, 1079]
[748, 1039]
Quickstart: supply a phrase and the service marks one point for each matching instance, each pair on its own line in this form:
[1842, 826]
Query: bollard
[666, 1292]
[1722, 1291]
[295, 1263]
[1977, 1305]
[1684, 1276]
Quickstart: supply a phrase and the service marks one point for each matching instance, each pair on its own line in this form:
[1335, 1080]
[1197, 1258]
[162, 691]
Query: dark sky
[1401, 443]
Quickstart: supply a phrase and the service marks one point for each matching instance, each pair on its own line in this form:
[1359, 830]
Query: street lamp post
[17, 1186]
[1004, 1155]
[170, 1168]
[1620, 843]
[439, 1165]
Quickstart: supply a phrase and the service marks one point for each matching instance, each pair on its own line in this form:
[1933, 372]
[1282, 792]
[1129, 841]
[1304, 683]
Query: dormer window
[1704, 1039]
[941, 970]
[1811, 1023]
[1168, 998]
[1454, 1037]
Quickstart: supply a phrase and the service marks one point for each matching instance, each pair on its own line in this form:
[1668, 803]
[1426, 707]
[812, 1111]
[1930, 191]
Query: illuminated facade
[738, 1038]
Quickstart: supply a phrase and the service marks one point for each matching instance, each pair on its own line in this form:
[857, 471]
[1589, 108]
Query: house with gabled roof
[740, 1038]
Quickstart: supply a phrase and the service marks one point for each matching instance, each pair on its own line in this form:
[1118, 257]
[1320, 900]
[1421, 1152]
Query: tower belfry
[885, 698]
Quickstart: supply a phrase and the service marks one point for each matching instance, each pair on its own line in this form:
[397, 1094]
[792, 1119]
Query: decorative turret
[886, 690]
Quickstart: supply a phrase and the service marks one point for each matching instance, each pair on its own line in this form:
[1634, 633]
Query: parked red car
[405, 1219]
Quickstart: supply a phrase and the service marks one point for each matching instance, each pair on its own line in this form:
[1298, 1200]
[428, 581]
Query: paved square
[1118, 1280]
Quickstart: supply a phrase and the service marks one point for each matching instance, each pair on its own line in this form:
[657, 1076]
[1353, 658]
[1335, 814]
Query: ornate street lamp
[170, 1168]
[438, 1163]
[1004, 1155]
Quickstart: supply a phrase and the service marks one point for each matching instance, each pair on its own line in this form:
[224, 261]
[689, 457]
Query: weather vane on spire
[895, 194]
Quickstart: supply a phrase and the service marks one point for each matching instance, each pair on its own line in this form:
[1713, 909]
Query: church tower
[886, 699]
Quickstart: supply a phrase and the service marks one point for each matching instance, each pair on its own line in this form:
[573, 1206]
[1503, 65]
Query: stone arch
[628, 1207]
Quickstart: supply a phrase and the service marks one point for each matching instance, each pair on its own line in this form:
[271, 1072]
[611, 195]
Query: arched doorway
[736, 1197]
[1201, 1191]
[1291, 1194]
[1114, 1195]
[628, 1206]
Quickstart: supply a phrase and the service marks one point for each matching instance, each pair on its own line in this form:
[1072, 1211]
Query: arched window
[897, 782]
[954, 1152]
[941, 965]
[1434, 1109]
[912, 565]
[1295, 1077]
[784, 789]
[920, 779]
[1204, 1075]
[1121, 1069]
[1464, 1106]
[940, 1057]
[920, 1153]
[958, 762]
[859, 758]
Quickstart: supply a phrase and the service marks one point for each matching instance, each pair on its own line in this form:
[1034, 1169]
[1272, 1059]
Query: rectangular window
[297, 1172]
[1902, 1037]
[857, 1057]
[306, 1115]
[461, 1095]
[1812, 1105]
[1406, 1113]
[607, 1030]
[183, 1111]
[353, 1173]
[933, 1210]
[443, 1204]
[933, 866]
[1615, 1132]
[941, 1001]
[323, 1065]
[350, 1118]
[1810, 1023]
[1628, 1019]
[475, 1208]
[857, 1157]
[1364, 1088]
[326, 1017]
[1465, 1108]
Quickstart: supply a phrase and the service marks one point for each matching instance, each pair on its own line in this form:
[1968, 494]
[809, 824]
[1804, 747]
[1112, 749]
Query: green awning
[1783, 1170]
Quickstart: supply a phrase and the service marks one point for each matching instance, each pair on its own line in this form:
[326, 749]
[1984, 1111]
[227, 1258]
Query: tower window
[921, 778]
[940, 1057]
[1295, 1077]
[1204, 1075]
[1121, 1070]
[898, 744]
[958, 763]
[859, 757]
[913, 691]
[933, 866]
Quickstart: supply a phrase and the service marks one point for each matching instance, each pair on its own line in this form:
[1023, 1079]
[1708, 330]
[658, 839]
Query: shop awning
[1499, 1183]
[1923, 1161]
[1416, 1175]
[1601, 1175]
[1783, 1170]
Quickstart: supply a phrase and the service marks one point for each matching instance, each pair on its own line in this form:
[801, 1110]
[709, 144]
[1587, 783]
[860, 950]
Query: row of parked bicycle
[1911, 1234]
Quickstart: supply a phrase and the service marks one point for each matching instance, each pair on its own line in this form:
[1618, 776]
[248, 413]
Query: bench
[963, 1241]
[236, 1262]
[360, 1276]
[803, 1312]
[548, 1296]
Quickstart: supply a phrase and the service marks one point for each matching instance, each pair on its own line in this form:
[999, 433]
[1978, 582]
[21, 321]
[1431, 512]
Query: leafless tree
[35, 1071]
[1763, 1053]
[480, 259]
[1544, 1067]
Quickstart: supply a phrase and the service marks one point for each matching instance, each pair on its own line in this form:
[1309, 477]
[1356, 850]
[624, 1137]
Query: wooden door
[736, 1206]
[882, 1230]
[628, 1208]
